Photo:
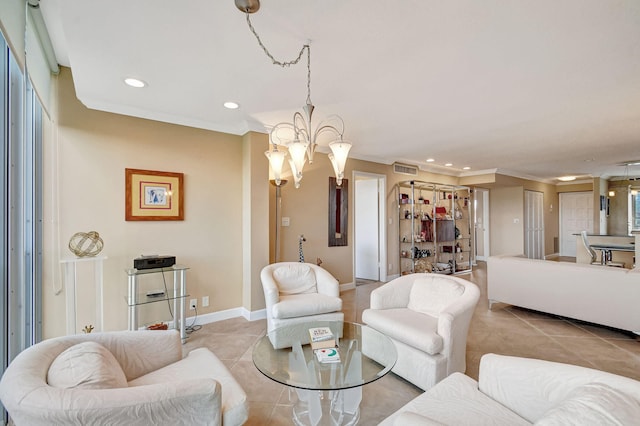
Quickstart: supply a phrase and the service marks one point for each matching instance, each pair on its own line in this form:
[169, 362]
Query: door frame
[485, 225]
[382, 223]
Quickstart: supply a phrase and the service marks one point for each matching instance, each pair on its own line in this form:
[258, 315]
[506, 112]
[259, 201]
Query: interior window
[634, 208]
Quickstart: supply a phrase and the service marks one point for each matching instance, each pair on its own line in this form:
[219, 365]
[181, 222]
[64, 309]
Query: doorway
[370, 254]
[576, 214]
[481, 223]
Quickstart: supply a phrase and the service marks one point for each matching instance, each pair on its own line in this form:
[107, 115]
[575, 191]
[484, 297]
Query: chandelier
[297, 139]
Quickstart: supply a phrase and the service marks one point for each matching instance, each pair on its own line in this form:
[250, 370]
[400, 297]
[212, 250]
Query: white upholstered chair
[297, 294]
[123, 377]
[427, 317]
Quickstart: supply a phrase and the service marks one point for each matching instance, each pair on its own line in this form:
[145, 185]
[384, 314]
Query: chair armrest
[326, 283]
[270, 288]
[394, 294]
[530, 387]
[140, 352]
[184, 402]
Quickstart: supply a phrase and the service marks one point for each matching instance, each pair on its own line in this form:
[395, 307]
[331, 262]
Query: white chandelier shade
[276, 160]
[339, 153]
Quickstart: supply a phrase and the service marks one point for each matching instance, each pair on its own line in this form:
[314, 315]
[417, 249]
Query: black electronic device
[155, 261]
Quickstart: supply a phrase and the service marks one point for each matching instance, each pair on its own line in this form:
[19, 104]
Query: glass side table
[177, 295]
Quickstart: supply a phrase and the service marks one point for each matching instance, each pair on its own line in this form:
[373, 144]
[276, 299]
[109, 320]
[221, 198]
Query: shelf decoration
[86, 244]
[153, 195]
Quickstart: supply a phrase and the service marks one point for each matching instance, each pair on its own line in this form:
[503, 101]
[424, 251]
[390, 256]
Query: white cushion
[295, 279]
[409, 327]
[456, 401]
[203, 363]
[87, 365]
[409, 418]
[299, 305]
[433, 294]
[594, 404]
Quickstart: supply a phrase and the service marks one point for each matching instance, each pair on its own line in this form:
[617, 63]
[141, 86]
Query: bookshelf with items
[434, 228]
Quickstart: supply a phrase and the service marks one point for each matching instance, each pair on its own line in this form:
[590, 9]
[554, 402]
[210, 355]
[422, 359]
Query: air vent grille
[405, 169]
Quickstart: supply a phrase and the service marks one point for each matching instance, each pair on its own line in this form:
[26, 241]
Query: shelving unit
[177, 295]
[434, 228]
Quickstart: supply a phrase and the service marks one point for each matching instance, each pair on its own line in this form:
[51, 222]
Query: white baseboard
[347, 286]
[225, 315]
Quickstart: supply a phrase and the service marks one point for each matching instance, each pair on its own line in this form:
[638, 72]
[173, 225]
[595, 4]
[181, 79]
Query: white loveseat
[120, 378]
[514, 391]
[592, 293]
[427, 318]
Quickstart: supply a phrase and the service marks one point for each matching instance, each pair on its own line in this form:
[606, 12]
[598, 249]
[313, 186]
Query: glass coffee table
[326, 393]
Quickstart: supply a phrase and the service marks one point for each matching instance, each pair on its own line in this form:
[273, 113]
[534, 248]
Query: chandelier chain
[286, 63]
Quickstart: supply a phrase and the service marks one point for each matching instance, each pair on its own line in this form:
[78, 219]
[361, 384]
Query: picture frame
[153, 195]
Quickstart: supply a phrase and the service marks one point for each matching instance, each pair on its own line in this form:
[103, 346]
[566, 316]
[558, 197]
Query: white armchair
[296, 294]
[124, 377]
[427, 317]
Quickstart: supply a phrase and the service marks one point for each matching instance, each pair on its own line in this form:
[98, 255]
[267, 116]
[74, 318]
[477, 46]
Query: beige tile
[504, 329]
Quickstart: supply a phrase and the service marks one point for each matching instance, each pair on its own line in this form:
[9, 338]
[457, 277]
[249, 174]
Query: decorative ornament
[86, 244]
[87, 329]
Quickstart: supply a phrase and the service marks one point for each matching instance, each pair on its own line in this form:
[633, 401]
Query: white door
[576, 214]
[481, 223]
[533, 225]
[366, 223]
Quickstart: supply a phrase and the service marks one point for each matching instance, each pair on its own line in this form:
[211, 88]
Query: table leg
[327, 408]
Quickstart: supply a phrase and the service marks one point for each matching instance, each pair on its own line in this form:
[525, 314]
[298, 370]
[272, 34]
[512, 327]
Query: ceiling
[532, 88]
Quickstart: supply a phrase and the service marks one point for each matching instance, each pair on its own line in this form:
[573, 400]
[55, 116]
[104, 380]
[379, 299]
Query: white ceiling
[534, 88]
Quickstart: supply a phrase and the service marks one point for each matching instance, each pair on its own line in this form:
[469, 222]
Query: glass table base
[326, 408]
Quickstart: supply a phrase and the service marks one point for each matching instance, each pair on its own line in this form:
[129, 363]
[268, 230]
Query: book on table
[327, 355]
[321, 337]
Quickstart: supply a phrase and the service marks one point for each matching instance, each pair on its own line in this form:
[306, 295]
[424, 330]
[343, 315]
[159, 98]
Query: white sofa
[126, 378]
[427, 318]
[522, 391]
[592, 293]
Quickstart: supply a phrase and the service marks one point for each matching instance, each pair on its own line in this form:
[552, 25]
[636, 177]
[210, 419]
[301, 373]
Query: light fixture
[134, 82]
[448, 164]
[567, 178]
[612, 193]
[466, 168]
[430, 160]
[299, 136]
[231, 105]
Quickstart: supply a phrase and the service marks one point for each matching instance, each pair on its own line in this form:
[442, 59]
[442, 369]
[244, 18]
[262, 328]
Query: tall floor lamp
[283, 182]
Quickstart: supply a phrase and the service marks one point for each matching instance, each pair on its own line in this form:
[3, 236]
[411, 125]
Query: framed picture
[153, 195]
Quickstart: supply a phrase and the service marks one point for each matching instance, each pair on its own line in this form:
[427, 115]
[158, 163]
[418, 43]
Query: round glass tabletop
[365, 355]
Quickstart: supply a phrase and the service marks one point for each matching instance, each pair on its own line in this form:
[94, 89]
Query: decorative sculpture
[301, 239]
[87, 329]
[86, 244]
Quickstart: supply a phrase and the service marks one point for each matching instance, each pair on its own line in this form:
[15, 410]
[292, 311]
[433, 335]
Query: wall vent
[405, 169]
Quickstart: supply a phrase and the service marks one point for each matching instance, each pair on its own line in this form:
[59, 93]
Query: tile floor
[505, 330]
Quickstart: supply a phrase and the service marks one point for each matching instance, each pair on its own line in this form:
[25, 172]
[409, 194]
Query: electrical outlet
[193, 304]
[205, 301]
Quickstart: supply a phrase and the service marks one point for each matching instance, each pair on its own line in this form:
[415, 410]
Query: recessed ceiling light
[134, 82]
[466, 168]
[430, 160]
[448, 165]
[231, 105]
[567, 178]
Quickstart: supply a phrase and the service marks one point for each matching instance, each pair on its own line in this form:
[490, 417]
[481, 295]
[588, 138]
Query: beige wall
[86, 152]
[507, 206]
[228, 229]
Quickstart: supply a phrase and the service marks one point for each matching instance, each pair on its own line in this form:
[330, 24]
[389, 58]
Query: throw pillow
[594, 404]
[295, 279]
[433, 294]
[87, 365]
